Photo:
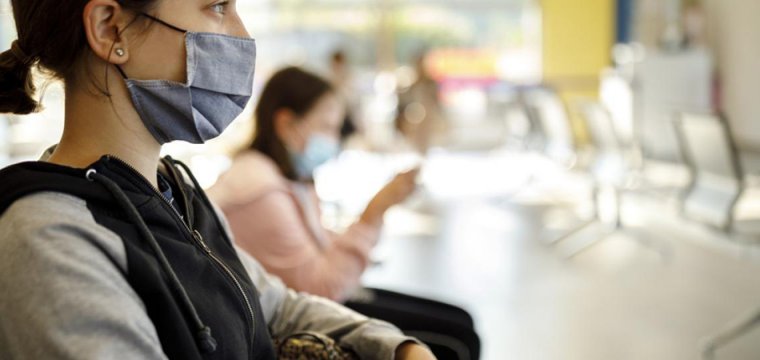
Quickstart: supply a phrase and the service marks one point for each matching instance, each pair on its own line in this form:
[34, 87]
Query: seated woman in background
[269, 198]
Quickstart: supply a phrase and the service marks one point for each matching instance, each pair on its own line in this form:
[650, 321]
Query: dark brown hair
[293, 89]
[51, 36]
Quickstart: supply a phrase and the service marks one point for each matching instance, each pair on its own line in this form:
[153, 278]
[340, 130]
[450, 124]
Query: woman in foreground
[108, 251]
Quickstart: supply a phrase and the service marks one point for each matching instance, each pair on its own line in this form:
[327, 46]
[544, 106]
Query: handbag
[311, 346]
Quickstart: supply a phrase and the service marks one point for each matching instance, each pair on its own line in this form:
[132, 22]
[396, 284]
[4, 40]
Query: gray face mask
[219, 84]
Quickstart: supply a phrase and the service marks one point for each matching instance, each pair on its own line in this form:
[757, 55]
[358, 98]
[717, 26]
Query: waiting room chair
[608, 169]
[717, 178]
[716, 188]
[549, 116]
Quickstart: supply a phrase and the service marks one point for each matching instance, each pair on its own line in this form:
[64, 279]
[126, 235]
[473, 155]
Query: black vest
[200, 254]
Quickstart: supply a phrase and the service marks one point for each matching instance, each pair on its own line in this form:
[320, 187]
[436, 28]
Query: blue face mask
[219, 84]
[319, 150]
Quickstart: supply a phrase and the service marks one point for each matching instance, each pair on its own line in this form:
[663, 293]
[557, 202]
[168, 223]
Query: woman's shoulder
[257, 169]
[255, 158]
[251, 175]
[55, 259]
[38, 222]
[45, 208]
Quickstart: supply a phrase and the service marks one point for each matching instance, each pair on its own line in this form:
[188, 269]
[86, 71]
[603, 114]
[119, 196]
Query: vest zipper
[197, 236]
[199, 242]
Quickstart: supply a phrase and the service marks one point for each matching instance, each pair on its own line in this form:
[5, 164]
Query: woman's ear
[285, 128]
[104, 24]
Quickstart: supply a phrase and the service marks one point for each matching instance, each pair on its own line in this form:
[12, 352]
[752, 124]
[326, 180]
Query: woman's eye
[219, 8]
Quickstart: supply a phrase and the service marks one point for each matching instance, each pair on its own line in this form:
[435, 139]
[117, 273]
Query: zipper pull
[199, 238]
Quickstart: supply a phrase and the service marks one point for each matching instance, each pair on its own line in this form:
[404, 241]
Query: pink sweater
[277, 221]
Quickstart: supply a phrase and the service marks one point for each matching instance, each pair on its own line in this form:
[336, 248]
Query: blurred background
[589, 167]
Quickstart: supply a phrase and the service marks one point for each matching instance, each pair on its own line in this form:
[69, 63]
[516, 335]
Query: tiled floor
[620, 300]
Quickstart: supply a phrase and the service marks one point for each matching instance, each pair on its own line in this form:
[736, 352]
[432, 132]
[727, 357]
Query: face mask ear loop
[164, 23]
[121, 71]
[123, 74]
[295, 124]
[300, 134]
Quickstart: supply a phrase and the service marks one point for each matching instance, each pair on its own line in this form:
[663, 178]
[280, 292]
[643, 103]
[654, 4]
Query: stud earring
[120, 52]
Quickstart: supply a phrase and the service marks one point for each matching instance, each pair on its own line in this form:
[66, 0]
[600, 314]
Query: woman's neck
[96, 125]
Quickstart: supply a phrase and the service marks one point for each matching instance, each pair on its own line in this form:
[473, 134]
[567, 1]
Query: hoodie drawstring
[203, 195]
[203, 338]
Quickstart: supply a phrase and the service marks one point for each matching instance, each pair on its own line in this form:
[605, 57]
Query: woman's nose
[238, 29]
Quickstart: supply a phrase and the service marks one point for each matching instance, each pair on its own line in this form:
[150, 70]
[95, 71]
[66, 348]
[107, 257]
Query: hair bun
[20, 54]
[16, 84]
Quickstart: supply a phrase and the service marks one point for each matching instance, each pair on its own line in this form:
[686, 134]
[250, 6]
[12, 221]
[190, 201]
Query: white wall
[735, 38]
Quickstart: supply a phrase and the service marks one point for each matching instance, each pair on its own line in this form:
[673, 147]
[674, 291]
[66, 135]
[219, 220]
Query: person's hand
[396, 191]
[412, 351]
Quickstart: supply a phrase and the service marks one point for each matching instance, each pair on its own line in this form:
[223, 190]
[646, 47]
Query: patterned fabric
[311, 346]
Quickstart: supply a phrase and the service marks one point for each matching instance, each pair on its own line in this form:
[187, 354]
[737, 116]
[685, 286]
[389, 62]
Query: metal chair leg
[732, 332]
[588, 245]
[665, 252]
[584, 225]
[578, 229]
